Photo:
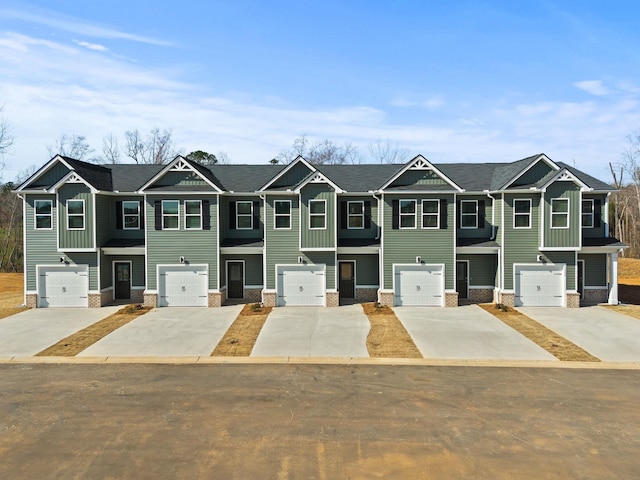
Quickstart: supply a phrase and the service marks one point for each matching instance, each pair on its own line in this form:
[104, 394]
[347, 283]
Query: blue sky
[454, 81]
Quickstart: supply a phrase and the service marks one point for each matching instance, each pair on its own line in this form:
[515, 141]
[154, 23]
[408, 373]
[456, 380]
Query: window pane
[75, 207]
[283, 208]
[429, 207]
[76, 222]
[429, 221]
[355, 222]
[131, 221]
[560, 206]
[316, 221]
[283, 222]
[355, 208]
[407, 221]
[316, 207]
[587, 220]
[407, 206]
[192, 208]
[587, 207]
[170, 207]
[243, 208]
[43, 222]
[192, 222]
[468, 207]
[522, 221]
[559, 221]
[43, 207]
[469, 221]
[244, 221]
[130, 208]
[521, 207]
[170, 222]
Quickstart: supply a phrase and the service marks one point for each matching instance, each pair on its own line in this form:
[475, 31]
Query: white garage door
[63, 286]
[183, 286]
[540, 285]
[419, 285]
[300, 285]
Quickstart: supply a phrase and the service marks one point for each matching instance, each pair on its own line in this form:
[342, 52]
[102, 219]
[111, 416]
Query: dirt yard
[388, 338]
[241, 336]
[11, 294]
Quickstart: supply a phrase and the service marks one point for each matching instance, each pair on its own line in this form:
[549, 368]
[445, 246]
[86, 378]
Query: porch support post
[613, 278]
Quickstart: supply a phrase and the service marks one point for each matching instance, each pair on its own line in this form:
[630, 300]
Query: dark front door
[462, 279]
[123, 280]
[581, 278]
[235, 280]
[347, 280]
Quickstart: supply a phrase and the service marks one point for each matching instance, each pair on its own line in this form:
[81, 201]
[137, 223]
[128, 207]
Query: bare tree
[223, 158]
[386, 152]
[74, 146]
[6, 139]
[324, 152]
[157, 148]
[110, 149]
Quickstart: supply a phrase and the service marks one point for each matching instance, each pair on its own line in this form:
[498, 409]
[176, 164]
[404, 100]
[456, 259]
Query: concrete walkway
[314, 332]
[610, 336]
[179, 331]
[466, 332]
[31, 331]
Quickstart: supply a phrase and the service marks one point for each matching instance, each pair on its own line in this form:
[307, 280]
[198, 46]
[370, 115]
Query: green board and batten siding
[520, 244]
[562, 237]
[435, 246]
[318, 238]
[165, 247]
[76, 239]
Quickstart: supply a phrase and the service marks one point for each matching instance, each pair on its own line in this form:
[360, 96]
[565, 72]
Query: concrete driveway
[314, 332]
[466, 332]
[610, 336]
[175, 332]
[31, 331]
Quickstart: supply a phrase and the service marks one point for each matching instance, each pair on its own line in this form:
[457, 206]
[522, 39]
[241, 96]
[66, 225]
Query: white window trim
[276, 215]
[125, 215]
[83, 214]
[431, 214]
[36, 215]
[567, 213]
[528, 214]
[170, 214]
[323, 215]
[592, 214]
[355, 215]
[190, 215]
[250, 215]
[415, 214]
[463, 215]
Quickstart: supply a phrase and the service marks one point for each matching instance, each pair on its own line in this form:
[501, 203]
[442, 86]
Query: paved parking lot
[466, 332]
[610, 336]
[314, 332]
[179, 331]
[31, 331]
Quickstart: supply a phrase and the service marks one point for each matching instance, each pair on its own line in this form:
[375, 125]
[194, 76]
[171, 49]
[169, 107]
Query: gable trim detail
[299, 159]
[421, 163]
[541, 157]
[178, 164]
[565, 175]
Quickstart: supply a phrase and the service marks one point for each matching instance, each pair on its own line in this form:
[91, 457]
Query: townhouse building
[532, 232]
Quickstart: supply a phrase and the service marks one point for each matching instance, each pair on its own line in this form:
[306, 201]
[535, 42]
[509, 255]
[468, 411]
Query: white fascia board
[42, 170]
[170, 166]
[565, 175]
[541, 157]
[299, 159]
[72, 175]
[424, 164]
[318, 177]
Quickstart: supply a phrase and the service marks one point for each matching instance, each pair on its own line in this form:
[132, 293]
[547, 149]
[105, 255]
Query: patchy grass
[11, 294]
[241, 336]
[79, 341]
[558, 346]
[387, 337]
[629, 310]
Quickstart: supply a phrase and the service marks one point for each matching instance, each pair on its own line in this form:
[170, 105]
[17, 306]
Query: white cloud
[92, 46]
[593, 87]
[435, 101]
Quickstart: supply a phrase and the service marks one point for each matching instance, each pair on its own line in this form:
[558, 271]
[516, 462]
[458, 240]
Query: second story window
[282, 214]
[75, 214]
[44, 214]
[469, 214]
[244, 215]
[559, 213]
[170, 214]
[317, 214]
[522, 213]
[430, 213]
[193, 214]
[408, 214]
[587, 213]
[355, 215]
[131, 215]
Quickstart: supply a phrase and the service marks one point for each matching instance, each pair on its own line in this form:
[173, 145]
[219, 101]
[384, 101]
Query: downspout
[379, 228]
[263, 197]
[24, 247]
[378, 237]
[494, 233]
